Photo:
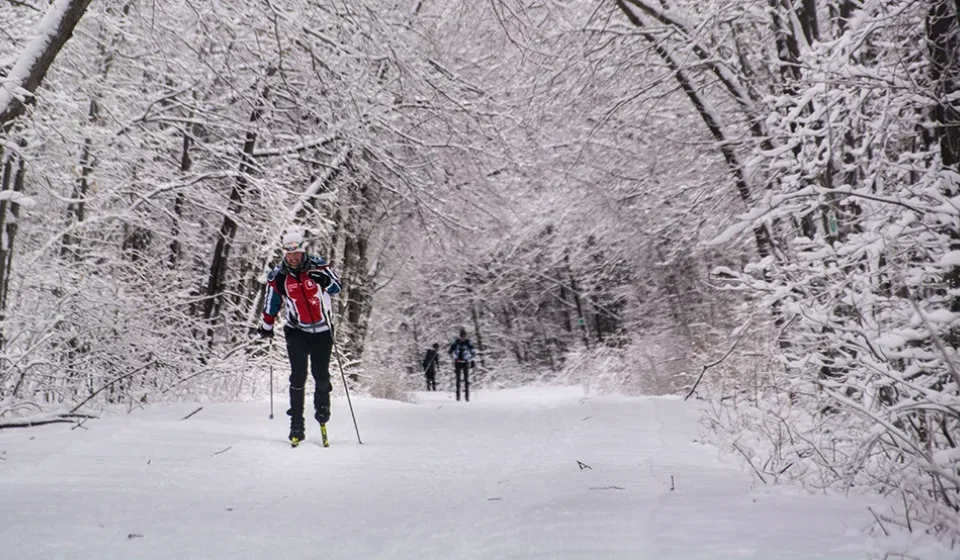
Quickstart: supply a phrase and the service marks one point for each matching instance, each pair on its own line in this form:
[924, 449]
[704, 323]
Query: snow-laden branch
[17, 88]
[305, 145]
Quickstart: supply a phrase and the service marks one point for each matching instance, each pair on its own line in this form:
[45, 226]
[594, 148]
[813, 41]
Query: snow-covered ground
[495, 478]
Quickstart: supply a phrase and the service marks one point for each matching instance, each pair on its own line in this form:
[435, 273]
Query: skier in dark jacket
[298, 284]
[430, 362]
[462, 354]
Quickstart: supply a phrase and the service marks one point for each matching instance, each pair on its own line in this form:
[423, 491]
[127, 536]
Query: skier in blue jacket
[462, 354]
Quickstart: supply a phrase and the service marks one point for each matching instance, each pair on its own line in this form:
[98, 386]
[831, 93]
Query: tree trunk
[942, 50]
[77, 208]
[943, 47]
[510, 334]
[476, 331]
[840, 12]
[762, 236]
[581, 320]
[565, 310]
[358, 301]
[788, 49]
[807, 14]
[186, 163]
[228, 228]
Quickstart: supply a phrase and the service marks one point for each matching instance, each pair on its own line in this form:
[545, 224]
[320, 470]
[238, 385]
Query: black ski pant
[431, 380]
[316, 347]
[464, 368]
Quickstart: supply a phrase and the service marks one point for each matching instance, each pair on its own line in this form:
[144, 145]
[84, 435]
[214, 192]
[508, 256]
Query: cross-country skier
[462, 354]
[298, 284]
[430, 362]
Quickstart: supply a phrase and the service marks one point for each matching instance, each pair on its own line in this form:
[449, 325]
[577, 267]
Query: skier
[462, 354]
[298, 283]
[430, 362]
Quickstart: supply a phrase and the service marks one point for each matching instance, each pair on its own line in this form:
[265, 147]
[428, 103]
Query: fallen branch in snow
[192, 413]
[584, 466]
[29, 423]
[223, 451]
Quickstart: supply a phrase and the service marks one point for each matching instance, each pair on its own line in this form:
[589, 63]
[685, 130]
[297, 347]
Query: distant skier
[298, 284]
[430, 362]
[462, 354]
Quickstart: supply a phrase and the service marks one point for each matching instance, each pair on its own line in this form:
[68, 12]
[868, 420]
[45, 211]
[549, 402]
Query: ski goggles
[294, 247]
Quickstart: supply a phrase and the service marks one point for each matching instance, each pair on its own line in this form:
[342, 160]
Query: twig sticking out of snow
[192, 413]
[880, 523]
[222, 451]
[750, 463]
[584, 466]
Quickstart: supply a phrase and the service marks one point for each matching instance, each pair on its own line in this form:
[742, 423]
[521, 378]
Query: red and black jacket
[301, 295]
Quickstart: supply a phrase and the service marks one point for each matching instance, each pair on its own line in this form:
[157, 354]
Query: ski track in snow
[494, 478]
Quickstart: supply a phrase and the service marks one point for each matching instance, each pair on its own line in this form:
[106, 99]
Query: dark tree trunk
[510, 334]
[788, 49]
[565, 313]
[77, 208]
[942, 50]
[581, 319]
[840, 12]
[943, 47]
[762, 236]
[6, 248]
[228, 228]
[186, 163]
[807, 14]
[476, 331]
[358, 290]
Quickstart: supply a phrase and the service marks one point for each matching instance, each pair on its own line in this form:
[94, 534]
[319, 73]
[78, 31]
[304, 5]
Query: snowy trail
[495, 478]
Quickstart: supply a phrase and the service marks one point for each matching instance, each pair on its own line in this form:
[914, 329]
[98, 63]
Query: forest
[754, 204]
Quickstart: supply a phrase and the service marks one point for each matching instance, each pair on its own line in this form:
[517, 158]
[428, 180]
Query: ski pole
[345, 388]
[340, 365]
[269, 348]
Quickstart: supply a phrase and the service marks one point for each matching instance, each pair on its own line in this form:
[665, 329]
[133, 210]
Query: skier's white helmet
[293, 241]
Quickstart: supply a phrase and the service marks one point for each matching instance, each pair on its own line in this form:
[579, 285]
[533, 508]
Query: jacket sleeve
[320, 264]
[272, 299]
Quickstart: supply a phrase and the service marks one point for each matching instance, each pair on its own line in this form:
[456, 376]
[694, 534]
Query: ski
[294, 442]
[323, 435]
